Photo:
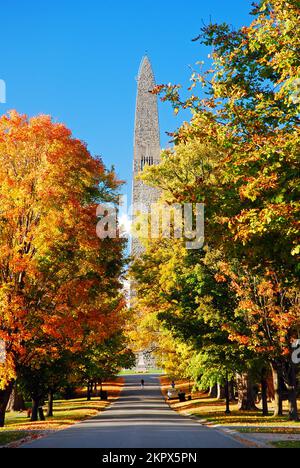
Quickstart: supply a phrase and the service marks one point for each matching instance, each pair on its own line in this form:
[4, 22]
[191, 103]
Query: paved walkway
[139, 419]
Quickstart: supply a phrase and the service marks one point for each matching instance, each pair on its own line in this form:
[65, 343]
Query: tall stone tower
[146, 142]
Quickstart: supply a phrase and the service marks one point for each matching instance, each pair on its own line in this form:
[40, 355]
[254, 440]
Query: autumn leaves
[233, 307]
[59, 284]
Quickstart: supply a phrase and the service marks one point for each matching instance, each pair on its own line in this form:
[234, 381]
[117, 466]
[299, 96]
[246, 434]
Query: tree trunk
[264, 393]
[19, 402]
[246, 394]
[16, 401]
[232, 390]
[50, 404]
[221, 392]
[278, 411]
[41, 413]
[89, 393]
[227, 397]
[10, 404]
[291, 384]
[4, 399]
[213, 391]
[35, 409]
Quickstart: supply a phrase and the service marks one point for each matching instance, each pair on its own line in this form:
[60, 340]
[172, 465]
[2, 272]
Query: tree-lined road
[139, 419]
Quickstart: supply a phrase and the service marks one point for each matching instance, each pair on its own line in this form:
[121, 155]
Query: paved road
[139, 419]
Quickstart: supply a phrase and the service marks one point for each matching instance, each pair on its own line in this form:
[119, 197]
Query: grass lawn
[66, 413]
[295, 444]
[269, 430]
[6, 437]
[213, 412]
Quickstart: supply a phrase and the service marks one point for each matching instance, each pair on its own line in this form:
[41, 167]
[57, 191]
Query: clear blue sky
[77, 60]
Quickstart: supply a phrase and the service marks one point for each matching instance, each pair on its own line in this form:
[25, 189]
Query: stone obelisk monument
[146, 143]
[146, 153]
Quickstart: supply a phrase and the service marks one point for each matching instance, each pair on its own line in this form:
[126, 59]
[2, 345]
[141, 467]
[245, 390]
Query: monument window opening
[147, 161]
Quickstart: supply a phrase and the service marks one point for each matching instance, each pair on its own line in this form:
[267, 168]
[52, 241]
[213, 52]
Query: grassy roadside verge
[212, 413]
[294, 444]
[66, 413]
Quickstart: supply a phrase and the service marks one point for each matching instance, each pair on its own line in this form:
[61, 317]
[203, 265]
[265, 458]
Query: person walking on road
[142, 383]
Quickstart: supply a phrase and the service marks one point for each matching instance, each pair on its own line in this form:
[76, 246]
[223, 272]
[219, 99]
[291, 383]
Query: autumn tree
[60, 285]
[239, 156]
[184, 308]
[100, 362]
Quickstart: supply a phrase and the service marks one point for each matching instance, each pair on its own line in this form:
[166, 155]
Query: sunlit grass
[66, 413]
[6, 437]
[212, 410]
[295, 444]
[269, 430]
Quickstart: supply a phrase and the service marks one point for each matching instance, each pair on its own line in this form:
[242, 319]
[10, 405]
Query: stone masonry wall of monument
[146, 141]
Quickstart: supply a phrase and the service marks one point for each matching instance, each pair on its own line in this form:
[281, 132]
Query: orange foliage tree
[59, 283]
